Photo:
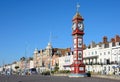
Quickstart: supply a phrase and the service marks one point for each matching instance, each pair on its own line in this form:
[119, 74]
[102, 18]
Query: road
[40, 78]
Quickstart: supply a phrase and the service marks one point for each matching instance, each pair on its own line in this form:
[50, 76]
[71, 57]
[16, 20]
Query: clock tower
[77, 68]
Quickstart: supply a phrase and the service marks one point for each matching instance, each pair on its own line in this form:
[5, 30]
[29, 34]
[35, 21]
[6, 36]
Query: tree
[16, 67]
[56, 67]
[30, 58]
[22, 59]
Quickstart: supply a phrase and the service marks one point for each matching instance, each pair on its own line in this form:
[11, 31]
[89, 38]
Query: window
[115, 58]
[92, 53]
[104, 53]
[113, 44]
[67, 53]
[106, 46]
[79, 55]
[95, 52]
[100, 60]
[80, 43]
[100, 53]
[67, 60]
[104, 60]
[108, 61]
[89, 53]
[109, 68]
[108, 52]
[105, 68]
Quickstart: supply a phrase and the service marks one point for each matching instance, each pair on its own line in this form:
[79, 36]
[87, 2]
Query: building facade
[46, 59]
[65, 62]
[103, 57]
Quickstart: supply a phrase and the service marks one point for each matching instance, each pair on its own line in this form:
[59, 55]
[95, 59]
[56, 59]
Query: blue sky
[26, 24]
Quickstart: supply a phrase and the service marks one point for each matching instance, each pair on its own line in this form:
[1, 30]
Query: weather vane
[77, 7]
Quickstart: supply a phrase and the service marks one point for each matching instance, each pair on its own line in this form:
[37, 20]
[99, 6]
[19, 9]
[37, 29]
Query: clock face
[74, 26]
[80, 26]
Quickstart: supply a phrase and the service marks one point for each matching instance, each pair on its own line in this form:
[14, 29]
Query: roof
[77, 15]
[49, 46]
[90, 57]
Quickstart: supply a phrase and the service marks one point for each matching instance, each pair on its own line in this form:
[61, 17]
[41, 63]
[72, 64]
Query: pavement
[115, 77]
[47, 78]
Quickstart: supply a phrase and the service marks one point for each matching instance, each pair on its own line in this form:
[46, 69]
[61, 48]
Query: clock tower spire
[77, 7]
[77, 68]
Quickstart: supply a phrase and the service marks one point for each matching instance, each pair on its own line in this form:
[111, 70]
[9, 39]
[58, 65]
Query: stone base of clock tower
[78, 70]
[72, 75]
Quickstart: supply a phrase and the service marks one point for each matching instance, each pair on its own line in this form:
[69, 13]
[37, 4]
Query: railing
[97, 63]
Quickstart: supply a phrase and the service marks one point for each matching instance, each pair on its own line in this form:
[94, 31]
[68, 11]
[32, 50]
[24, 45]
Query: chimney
[105, 39]
[93, 44]
[112, 40]
[84, 46]
[100, 43]
[68, 49]
[117, 38]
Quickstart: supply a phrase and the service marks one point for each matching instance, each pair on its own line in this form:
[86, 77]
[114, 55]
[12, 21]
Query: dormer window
[106, 45]
[113, 44]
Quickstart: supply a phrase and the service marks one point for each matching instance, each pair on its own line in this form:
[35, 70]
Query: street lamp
[50, 54]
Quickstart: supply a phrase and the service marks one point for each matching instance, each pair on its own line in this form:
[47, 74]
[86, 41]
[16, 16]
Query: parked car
[33, 71]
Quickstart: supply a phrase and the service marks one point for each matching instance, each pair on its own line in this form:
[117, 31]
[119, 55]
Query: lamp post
[50, 59]
[25, 60]
[50, 51]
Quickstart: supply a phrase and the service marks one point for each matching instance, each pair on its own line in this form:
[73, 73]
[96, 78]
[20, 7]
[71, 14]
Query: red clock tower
[78, 68]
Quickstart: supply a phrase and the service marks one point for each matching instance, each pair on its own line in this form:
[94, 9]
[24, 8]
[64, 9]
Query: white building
[65, 62]
[31, 64]
[103, 57]
[1, 68]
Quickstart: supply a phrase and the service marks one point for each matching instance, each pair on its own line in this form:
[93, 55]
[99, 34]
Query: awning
[118, 66]
[115, 67]
[90, 57]
[66, 65]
